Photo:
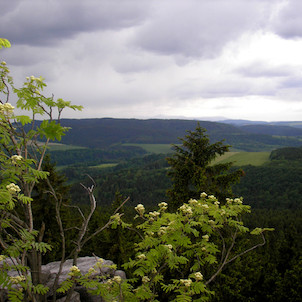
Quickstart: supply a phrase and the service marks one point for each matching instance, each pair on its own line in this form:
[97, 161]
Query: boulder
[50, 271]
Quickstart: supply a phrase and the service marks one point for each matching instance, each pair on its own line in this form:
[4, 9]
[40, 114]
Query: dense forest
[273, 190]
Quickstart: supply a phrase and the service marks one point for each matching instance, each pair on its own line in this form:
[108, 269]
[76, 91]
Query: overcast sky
[239, 59]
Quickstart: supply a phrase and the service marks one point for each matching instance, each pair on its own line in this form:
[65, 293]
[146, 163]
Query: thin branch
[136, 231]
[76, 207]
[122, 204]
[249, 250]
[223, 246]
[7, 90]
[85, 223]
[225, 259]
[107, 224]
[62, 234]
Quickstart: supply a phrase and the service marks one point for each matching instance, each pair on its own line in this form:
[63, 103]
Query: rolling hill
[106, 132]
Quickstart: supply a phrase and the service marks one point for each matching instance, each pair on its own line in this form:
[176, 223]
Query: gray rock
[120, 273]
[50, 271]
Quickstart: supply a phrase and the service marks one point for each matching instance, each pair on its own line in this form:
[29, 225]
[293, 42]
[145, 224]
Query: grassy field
[104, 166]
[62, 147]
[244, 158]
[239, 158]
[154, 148]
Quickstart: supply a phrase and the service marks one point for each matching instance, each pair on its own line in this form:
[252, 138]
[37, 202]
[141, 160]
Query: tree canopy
[193, 171]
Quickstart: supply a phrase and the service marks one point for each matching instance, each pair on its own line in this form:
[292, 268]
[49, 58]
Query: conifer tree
[193, 172]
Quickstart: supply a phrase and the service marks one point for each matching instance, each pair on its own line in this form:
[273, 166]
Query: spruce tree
[193, 171]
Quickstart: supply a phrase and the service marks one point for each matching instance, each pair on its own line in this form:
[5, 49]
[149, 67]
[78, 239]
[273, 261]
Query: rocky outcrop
[50, 271]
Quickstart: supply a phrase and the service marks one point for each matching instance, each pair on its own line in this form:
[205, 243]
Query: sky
[192, 59]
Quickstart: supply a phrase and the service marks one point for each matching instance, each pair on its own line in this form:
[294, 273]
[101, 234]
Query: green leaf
[52, 130]
[23, 119]
[4, 43]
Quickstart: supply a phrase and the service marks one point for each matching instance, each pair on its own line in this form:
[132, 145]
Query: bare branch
[221, 266]
[250, 249]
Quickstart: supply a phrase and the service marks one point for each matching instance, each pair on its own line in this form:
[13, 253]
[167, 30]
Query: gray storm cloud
[158, 57]
[200, 28]
[48, 22]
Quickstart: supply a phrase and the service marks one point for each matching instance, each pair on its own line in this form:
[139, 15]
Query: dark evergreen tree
[193, 172]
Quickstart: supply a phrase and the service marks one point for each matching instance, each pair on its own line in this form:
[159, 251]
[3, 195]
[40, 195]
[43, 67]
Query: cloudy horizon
[210, 59]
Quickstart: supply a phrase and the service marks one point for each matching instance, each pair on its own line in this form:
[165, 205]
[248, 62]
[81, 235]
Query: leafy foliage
[21, 158]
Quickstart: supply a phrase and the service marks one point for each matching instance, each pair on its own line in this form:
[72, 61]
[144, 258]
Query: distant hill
[105, 132]
[272, 130]
[239, 122]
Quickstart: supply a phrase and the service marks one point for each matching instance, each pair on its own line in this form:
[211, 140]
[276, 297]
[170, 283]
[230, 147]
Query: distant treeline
[101, 133]
[90, 157]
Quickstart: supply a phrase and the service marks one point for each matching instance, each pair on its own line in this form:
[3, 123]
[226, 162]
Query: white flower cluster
[117, 279]
[236, 200]
[33, 78]
[99, 263]
[140, 209]
[198, 276]
[186, 282]
[17, 279]
[205, 206]
[186, 210]
[91, 271]
[2, 257]
[16, 158]
[116, 217]
[162, 231]
[163, 206]
[145, 279]
[205, 237]
[169, 246]
[13, 189]
[154, 214]
[203, 195]
[74, 270]
[216, 203]
[6, 109]
[141, 256]
[193, 202]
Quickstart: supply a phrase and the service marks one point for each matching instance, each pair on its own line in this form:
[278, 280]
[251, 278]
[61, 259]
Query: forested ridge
[105, 132]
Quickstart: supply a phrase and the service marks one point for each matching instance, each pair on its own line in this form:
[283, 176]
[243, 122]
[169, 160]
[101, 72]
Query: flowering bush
[180, 253]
